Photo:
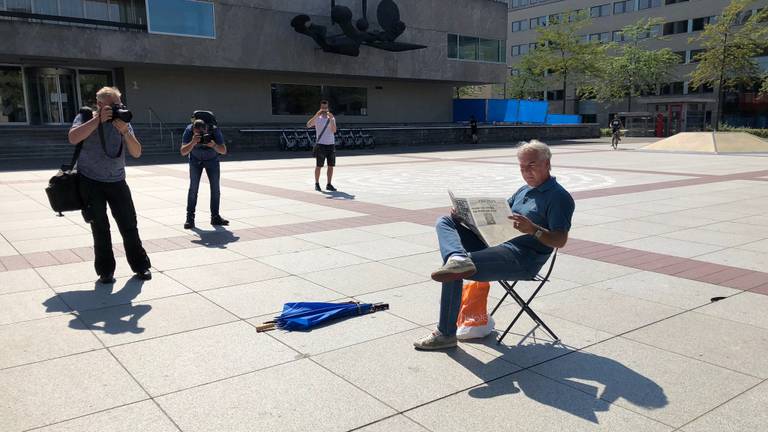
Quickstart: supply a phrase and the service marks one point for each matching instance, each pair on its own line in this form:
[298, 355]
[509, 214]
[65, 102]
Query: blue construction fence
[509, 111]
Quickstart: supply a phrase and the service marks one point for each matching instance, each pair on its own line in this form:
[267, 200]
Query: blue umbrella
[305, 315]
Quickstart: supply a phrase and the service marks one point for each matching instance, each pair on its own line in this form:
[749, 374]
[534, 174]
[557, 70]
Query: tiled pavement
[656, 237]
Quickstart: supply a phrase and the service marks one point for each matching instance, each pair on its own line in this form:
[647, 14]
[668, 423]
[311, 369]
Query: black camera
[121, 112]
[205, 124]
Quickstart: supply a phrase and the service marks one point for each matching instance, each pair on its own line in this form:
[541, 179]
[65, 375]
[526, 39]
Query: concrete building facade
[683, 107]
[239, 58]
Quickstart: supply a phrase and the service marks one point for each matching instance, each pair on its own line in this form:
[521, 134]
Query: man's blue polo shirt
[202, 151]
[549, 206]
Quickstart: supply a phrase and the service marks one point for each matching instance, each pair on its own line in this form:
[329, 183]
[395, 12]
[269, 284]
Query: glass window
[681, 56]
[352, 101]
[521, 25]
[293, 99]
[467, 48]
[47, 7]
[489, 50]
[675, 27]
[694, 53]
[19, 5]
[700, 23]
[12, 106]
[618, 36]
[600, 10]
[71, 8]
[537, 22]
[90, 83]
[96, 9]
[648, 4]
[181, 17]
[453, 46]
[623, 7]
[297, 99]
[555, 95]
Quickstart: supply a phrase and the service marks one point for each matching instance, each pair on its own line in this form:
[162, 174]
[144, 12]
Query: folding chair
[525, 305]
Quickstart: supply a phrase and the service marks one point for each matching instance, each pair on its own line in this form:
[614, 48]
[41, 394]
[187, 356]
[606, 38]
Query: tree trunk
[565, 83]
[629, 102]
[718, 103]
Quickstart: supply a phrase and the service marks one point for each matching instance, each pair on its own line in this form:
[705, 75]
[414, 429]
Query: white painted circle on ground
[475, 180]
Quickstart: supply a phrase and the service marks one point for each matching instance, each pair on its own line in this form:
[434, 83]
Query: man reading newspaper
[485, 249]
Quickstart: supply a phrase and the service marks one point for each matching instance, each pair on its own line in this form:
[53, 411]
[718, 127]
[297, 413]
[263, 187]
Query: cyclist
[615, 131]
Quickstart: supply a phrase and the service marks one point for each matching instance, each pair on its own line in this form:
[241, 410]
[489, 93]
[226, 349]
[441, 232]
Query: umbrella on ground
[305, 315]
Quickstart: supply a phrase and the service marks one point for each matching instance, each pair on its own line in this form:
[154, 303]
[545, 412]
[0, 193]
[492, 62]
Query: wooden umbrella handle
[265, 327]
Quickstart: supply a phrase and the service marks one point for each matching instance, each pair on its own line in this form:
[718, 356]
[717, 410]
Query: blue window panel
[182, 17]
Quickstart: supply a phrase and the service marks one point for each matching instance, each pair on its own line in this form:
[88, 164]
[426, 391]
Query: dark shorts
[323, 152]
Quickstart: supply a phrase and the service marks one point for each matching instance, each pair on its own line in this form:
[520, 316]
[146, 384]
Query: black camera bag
[63, 189]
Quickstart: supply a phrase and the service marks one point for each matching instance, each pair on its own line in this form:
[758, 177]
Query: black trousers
[96, 195]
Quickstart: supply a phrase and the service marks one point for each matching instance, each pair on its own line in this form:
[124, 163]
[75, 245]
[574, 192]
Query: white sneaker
[435, 341]
[454, 269]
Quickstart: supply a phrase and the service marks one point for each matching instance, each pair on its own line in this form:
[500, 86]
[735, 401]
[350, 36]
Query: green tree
[527, 80]
[633, 69]
[469, 92]
[730, 45]
[562, 52]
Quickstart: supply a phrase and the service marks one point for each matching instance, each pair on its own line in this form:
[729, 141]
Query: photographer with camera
[203, 142]
[101, 169]
[325, 147]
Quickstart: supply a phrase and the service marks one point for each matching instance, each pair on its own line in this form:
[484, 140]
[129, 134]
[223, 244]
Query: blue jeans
[500, 262]
[213, 171]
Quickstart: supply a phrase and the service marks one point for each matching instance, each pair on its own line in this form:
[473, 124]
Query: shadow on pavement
[218, 238]
[573, 369]
[103, 308]
[338, 195]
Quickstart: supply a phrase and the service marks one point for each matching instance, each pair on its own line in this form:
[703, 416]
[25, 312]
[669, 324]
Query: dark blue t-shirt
[549, 206]
[202, 151]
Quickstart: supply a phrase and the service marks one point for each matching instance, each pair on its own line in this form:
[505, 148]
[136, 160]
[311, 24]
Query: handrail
[162, 126]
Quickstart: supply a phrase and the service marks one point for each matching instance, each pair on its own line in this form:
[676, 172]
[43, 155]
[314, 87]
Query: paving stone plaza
[656, 237]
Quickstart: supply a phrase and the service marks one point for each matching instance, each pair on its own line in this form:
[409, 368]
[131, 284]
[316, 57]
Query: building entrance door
[53, 98]
[675, 119]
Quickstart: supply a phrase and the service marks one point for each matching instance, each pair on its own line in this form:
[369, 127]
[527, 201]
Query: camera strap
[323, 131]
[104, 145]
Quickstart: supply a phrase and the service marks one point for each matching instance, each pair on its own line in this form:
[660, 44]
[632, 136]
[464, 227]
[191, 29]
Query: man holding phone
[325, 147]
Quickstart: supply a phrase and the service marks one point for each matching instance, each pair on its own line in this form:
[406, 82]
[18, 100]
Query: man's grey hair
[536, 146]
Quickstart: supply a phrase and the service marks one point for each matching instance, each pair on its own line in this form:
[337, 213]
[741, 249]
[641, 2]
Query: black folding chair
[525, 305]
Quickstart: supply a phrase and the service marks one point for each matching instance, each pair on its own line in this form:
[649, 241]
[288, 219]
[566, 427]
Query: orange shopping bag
[474, 321]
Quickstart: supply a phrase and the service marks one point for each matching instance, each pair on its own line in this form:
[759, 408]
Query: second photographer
[203, 142]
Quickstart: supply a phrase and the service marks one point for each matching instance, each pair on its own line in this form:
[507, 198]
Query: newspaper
[486, 217]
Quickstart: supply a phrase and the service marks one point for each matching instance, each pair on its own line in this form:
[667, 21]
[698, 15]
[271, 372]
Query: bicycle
[615, 138]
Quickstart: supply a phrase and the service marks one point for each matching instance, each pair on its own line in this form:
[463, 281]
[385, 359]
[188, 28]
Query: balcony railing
[34, 17]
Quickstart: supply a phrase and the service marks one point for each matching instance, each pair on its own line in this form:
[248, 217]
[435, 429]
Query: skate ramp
[707, 142]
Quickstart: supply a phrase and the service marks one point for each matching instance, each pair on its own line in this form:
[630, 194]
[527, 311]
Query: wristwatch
[538, 233]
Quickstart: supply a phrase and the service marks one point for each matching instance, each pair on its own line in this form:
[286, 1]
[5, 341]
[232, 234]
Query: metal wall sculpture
[352, 36]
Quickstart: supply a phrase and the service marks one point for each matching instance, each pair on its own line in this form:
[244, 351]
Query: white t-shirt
[327, 137]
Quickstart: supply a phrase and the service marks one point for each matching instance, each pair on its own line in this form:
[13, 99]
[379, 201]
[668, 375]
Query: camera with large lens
[120, 111]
